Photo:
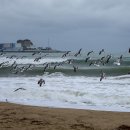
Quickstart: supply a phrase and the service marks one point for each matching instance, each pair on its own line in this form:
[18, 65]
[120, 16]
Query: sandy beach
[21, 117]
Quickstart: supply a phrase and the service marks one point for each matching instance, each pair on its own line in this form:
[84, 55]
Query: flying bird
[102, 58]
[19, 89]
[79, 52]
[75, 68]
[65, 54]
[40, 82]
[117, 62]
[86, 60]
[47, 65]
[102, 76]
[101, 51]
[89, 53]
[108, 59]
[121, 57]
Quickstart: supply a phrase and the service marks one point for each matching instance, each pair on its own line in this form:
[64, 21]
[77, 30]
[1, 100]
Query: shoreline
[16, 116]
[91, 108]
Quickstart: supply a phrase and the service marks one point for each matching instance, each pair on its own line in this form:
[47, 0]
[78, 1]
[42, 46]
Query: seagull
[22, 69]
[2, 64]
[86, 60]
[69, 61]
[79, 52]
[58, 64]
[102, 58]
[91, 63]
[14, 66]
[75, 68]
[117, 62]
[33, 53]
[102, 76]
[38, 58]
[14, 63]
[65, 54]
[101, 51]
[19, 89]
[40, 82]
[108, 59]
[13, 56]
[96, 63]
[47, 65]
[121, 57]
[2, 53]
[55, 67]
[89, 53]
[29, 66]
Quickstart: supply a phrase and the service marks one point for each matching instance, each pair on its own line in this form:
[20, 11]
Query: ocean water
[65, 88]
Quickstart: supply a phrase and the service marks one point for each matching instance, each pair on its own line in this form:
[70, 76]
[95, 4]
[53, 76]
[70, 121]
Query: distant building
[6, 46]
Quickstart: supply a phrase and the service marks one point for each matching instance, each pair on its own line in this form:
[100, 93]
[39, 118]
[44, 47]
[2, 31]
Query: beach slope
[21, 117]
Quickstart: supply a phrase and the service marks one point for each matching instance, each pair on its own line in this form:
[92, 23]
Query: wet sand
[21, 117]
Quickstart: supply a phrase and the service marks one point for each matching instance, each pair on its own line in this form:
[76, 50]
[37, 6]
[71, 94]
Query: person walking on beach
[41, 81]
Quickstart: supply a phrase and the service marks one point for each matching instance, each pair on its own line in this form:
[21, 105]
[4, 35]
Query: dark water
[113, 68]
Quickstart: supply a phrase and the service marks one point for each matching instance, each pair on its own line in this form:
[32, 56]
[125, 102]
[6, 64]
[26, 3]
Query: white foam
[31, 60]
[111, 93]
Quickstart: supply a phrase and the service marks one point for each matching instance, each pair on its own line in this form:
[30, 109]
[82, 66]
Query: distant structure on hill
[25, 44]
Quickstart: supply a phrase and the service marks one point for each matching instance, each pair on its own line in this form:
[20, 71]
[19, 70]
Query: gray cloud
[70, 24]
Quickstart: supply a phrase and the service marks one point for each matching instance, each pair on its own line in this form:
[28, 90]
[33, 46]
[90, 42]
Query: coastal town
[25, 45]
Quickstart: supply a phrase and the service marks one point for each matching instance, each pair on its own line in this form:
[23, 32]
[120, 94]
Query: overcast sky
[69, 24]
